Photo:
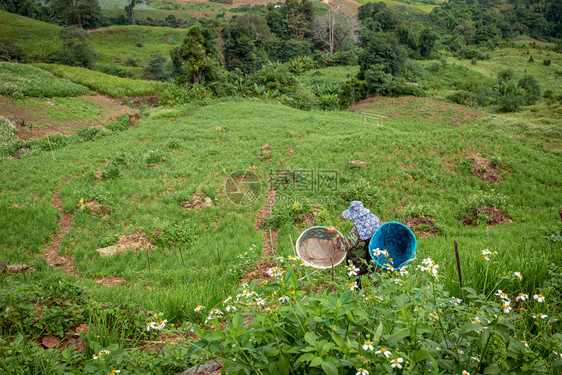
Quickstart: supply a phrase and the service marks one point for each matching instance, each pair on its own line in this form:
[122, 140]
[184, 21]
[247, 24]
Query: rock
[265, 147]
[220, 129]
[17, 268]
[413, 84]
[50, 341]
[50, 104]
[207, 202]
[108, 251]
[98, 175]
[208, 368]
[59, 262]
[357, 164]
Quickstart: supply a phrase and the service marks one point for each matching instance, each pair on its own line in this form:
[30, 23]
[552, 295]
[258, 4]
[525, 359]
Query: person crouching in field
[356, 242]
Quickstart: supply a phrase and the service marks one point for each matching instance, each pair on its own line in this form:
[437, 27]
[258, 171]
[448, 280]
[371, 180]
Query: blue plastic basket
[398, 240]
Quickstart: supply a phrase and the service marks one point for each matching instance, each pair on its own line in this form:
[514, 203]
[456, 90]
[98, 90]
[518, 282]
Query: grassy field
[116, 87]
[333, 75]
[411, 5]
[26, 80]
[34, 37]
[417, 164]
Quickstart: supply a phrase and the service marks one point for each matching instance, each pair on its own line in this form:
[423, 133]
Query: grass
[410, 5]
[34, 37]
[18, 80]
[549, 77]
[115, 87]
[413, 159]
[332, 75]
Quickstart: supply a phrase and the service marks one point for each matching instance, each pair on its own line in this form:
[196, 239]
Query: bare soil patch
[483, 169]
[423, 227]
[136, 241]
[51, 251]
[493, 215]
[269, 236]
[109, 281]
[35, 120]
[260, 272]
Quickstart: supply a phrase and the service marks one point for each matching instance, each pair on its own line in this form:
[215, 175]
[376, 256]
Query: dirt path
[52, 255]
[269, 236]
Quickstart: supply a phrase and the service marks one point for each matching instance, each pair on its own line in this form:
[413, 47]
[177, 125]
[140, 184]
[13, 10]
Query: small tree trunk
[79, 19]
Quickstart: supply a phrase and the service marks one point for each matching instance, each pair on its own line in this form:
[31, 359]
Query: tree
[83, 12]
[382, 49]
[299, 18]
[129, 9]
[376, 79]
[337, 28]
[427, 42]
[196, 57]
[75, 48]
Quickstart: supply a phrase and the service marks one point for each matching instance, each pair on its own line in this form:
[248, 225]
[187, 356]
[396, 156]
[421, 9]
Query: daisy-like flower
[226, 300]
[540, 315]
[230, 307]
[518, 274]
[280, 259]
[486, 252]
[352, 270]
[113, 372]
[399, 281]
[475, 358]
[506, 307]
[557, 354]
[368, 345]
[460, 351]
[434, 316]
[362, 371]
[464, 372]
[396, 362]
[259, 301]
[522, 297]
[101, 354]
[199, 308]
[284, 298]
[383, 351]
[539, 297]
[353, 285]
[525, 343]
[379, 298]
[456, 300]
[502, 295]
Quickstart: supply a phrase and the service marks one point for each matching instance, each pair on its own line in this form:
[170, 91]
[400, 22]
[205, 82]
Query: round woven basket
[398, 240]
[317, 250]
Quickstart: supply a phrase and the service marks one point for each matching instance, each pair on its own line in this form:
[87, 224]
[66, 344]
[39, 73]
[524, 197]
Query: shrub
[546, 62]
[469, 83]
[301, 64]
[186, 93]
[510, 102]
[352, 91]
[413, 70]
[8, 138]
[376, 80]
[400, 87]
[121, 123]
[531, 87]
[88, 134]
[154, 156]
[117, 71]
[462, 97]
[484, 96]
[300, 98]
[505, 75]
[434, 67]
[156, 68]
[75, 49]
[329, 102]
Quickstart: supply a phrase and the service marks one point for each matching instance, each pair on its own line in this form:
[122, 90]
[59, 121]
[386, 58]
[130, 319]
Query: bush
[510, 102]
[300, 98]
[376, 80]
[546, 62]
[352, 91]
[400, 87]
[484, 96]
[75, 49]
[117, 71]
[532, 89]
[88, 134]
[301, 64]
[156, 68]
[329, 102]
[462, 97]
[186, 93]
[154, 156]
[413, 71]
[434, 67]
[505, 75]
[121, 123]
[469, 83]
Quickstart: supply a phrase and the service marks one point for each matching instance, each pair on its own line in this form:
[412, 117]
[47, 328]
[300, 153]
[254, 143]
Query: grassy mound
[115, 87]
[18, 80]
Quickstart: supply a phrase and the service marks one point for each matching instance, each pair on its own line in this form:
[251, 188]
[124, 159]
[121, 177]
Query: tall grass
[413, 160]
[116, 87]
[18, 80]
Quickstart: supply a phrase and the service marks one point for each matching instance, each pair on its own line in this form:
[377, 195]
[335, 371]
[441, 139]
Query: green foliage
[156, 69]
[8, 138]
[181, 94]
[510, 96]
[88, 134]
[301, 64]
[426, 42]
[116, 87]
[76, 51]
[154, 156]
[399, 87]
[382, 49]
[361, 190]
[121, 123]
[376, 80]
[531, 87]
[19, 80]
[352, 91]
[462, 97]
[342, 329]
[505, 75]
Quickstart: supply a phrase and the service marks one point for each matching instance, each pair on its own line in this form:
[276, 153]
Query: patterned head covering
[365, 222]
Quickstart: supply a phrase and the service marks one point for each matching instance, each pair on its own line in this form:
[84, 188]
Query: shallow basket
[398, 240]
[316, 249]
